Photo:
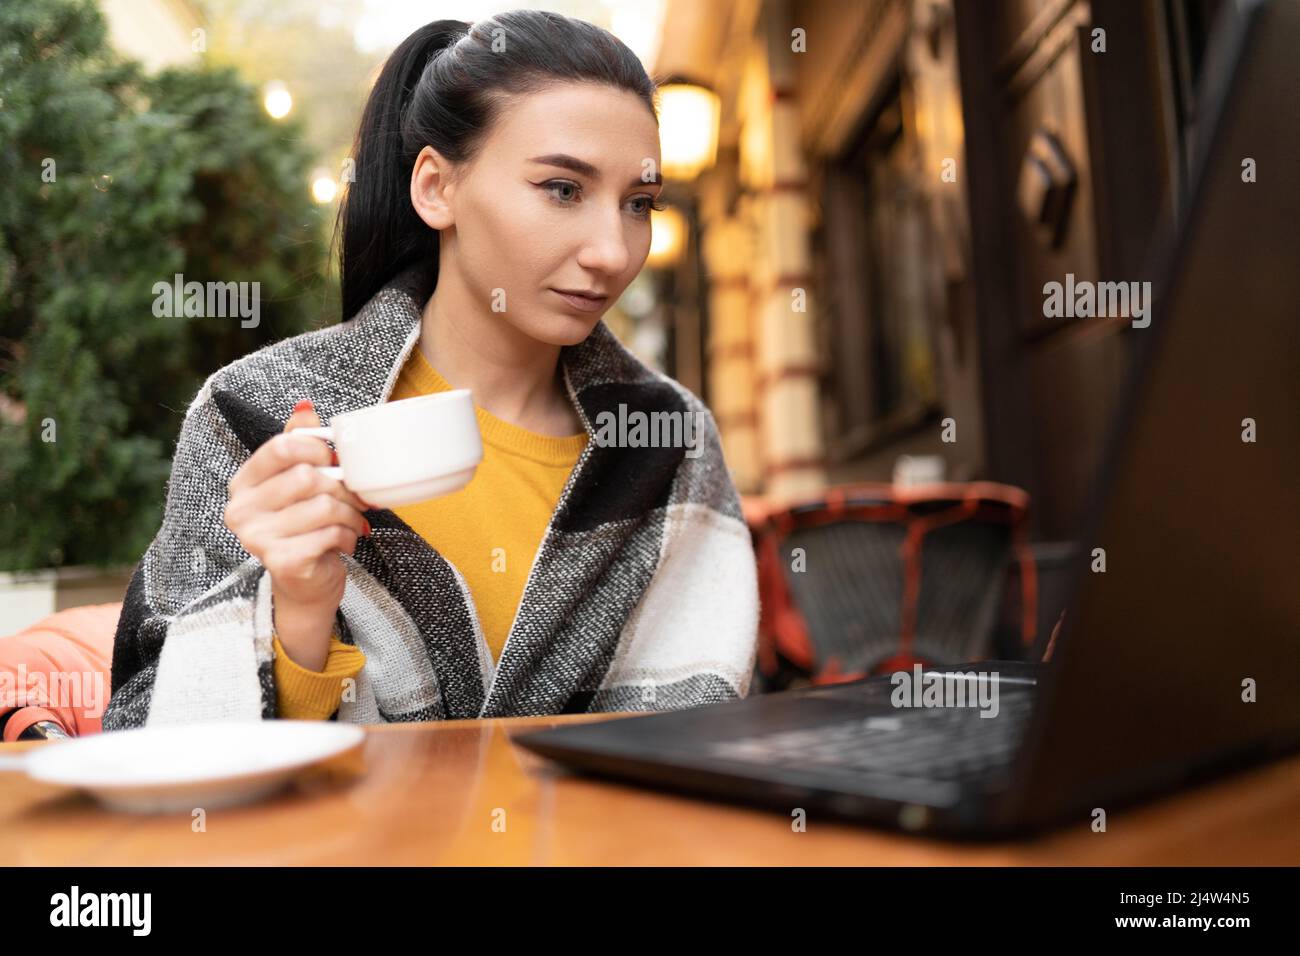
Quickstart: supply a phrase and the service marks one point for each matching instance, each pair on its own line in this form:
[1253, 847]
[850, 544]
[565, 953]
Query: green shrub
[182, 172]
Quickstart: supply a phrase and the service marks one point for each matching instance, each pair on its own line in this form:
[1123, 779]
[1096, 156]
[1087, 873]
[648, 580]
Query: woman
[504, 177]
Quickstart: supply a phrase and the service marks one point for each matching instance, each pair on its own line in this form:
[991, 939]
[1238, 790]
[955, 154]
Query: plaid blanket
[642, 595]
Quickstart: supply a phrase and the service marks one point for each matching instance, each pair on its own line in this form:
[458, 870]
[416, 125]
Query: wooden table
[459, 793]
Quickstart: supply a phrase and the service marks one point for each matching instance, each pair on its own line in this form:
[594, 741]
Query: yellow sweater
[490, 530]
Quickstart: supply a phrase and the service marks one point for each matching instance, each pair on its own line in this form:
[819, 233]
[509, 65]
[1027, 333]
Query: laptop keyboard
[934, 743]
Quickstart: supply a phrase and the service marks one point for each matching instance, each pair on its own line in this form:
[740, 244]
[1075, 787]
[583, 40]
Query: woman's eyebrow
[584, 168]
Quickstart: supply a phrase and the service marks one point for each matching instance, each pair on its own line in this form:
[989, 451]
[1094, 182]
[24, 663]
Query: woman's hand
[296, 520]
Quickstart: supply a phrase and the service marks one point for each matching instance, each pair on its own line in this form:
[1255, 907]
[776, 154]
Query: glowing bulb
[667, 236]
[324, 189]
[277, 100]
[688, 129]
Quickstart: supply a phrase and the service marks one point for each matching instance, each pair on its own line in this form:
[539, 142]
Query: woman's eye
[555, 184]
[567, 192]
[650, 202]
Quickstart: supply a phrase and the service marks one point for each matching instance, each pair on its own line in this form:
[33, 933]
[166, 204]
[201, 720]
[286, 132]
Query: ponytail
[435, 90]
[381, 232]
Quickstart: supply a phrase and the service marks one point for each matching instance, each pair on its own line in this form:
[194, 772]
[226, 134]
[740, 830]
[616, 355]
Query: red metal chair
[873, 578]
[58, 671]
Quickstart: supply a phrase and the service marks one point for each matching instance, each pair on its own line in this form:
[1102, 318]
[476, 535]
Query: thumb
[303, 416]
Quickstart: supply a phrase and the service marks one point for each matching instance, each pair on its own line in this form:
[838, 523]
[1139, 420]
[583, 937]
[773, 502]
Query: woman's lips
[581, 302]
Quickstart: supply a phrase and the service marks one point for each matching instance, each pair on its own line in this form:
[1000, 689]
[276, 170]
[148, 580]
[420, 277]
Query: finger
[275, 455]
[314, 513]
[303, 550]
[303, 416]
[302, 481]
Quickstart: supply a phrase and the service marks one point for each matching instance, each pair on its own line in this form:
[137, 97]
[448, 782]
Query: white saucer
[181, 767]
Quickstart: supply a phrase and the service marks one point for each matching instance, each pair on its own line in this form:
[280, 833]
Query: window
[878, 264]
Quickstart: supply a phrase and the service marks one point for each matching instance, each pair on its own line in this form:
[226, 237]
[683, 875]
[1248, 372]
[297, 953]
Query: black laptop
[1182, 659]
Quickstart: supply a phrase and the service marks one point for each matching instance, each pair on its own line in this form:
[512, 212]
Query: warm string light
[688, 129]
[277, 100]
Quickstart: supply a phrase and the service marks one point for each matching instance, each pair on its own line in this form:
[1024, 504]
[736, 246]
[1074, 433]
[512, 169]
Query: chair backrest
[59, 669]
[872, 578]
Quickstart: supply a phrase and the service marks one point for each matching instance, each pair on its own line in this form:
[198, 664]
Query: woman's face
[558, 198]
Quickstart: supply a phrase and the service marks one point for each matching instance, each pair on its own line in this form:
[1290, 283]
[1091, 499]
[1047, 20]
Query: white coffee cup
[406, 451]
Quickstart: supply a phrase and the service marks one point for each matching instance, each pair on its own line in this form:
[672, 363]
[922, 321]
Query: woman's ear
[431, 189]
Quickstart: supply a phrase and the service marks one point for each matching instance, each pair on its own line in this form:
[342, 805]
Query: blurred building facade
[158, 33]
[896, 181]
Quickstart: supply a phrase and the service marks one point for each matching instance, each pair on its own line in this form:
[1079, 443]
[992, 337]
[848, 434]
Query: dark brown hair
[443, 87]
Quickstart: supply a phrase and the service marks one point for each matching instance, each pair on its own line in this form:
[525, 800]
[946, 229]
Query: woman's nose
[605, 246]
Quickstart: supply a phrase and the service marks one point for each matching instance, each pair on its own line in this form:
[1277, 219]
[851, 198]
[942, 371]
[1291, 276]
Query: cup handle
[326, 432]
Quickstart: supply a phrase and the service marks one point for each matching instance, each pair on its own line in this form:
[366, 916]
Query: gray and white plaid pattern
[643, 593]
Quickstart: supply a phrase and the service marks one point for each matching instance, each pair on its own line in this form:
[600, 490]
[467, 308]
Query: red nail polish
[367, 526]
[302, 406]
